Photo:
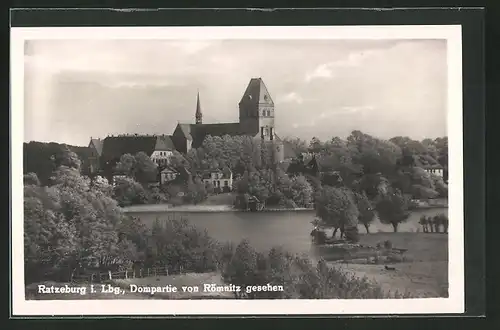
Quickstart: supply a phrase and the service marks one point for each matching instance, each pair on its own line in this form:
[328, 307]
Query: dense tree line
[354, 178]
[42, 158]
[363, 176]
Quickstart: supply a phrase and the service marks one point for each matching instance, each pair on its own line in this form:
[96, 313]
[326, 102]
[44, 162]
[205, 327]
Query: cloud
[326, 70]
[322, 71]
[354, 109]
[292, 98]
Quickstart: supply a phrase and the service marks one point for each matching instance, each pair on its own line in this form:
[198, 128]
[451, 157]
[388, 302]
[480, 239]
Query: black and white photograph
[237, 170]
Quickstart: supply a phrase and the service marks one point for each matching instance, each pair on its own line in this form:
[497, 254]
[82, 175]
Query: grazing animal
[389, 268]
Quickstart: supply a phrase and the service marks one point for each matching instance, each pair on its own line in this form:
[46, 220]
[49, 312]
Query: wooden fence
[100, 277]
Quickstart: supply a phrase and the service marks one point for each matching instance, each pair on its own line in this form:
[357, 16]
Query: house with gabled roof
[168, 174]
[95, 151]
[221, 180]
[158, 147]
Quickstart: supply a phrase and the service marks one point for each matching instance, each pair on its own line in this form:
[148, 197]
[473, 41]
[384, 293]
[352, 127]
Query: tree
[336, 208]
[297, 144]
[240, 270]
[366, 210]
[258, 186]
[302, 192]
[374, 155]
[100, 184]
[145, 170]
[196, 192]
[177, 160]
[68, 158]
[315, 145]
[440, 186]
[31, 179]
[43, 158]
[128, 192]
[424, 222]
[50, 242]
[69, 224]
[139, 167]
[422, 184]
[241, 184]
[126, 165]
[442, 150]
[393, 208]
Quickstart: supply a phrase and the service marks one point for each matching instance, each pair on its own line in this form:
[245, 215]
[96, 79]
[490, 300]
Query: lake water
[289, 229]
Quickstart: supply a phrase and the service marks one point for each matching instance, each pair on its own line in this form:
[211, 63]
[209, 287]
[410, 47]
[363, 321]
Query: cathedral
[256, 119]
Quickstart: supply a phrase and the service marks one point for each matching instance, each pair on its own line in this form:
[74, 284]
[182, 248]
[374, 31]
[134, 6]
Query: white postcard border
[453, 304]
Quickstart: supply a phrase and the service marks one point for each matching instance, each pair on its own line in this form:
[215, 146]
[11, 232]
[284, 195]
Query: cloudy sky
[78, 89]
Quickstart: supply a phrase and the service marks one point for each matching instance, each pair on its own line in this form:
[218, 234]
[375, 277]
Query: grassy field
[424, 274]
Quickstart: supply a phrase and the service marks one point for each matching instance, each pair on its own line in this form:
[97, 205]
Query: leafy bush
[300, 278]
[156, 196]
[129, 192]
[440, 220]
[387, 244]
[31, 179]
[175, 243]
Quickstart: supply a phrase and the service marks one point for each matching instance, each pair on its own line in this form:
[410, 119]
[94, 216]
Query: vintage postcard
[237, 170]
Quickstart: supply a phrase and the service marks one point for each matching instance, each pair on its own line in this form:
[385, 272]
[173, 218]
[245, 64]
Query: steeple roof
[257, 92]
[198, 114]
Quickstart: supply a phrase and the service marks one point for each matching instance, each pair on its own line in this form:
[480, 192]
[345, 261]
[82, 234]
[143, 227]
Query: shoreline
[200, 208]
[158, 208]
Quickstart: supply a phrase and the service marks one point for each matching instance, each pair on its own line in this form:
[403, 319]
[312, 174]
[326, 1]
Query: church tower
[257, 110]
[198, 115]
